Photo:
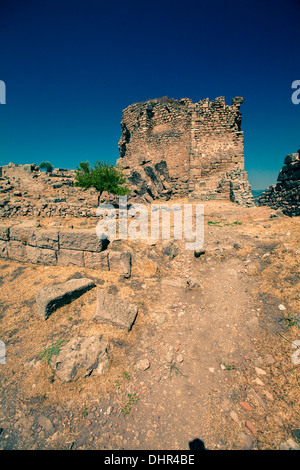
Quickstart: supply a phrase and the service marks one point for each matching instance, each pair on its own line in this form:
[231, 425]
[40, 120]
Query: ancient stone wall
[61, 248]
[50, 207]
[170, 147]
[285, 194]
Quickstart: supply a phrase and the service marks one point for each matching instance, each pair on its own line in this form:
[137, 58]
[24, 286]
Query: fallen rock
[51, 298]
[45, 423]
[170, 249]
[277, 213]
[114, 311]
[81, 357]
[143, 364]
[251, 427]
[246, 439]
[120, 262]
[296, 434]
[290, 444]
[260, 371]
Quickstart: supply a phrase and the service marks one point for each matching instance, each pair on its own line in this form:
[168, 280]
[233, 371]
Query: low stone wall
[56, 208]
[61, 248]
[285, 195]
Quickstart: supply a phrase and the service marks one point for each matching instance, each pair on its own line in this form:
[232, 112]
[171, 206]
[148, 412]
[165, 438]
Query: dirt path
[206, 358]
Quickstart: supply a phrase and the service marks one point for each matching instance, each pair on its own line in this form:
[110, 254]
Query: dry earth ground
[215, 346]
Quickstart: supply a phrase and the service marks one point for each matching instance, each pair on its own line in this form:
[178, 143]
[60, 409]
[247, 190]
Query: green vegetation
[46, 166]
[53, 350]
[126, 375]
[291, 321]
[222, 223]
[132, 400]
[102, 177]
[174, 368]
[228, 366]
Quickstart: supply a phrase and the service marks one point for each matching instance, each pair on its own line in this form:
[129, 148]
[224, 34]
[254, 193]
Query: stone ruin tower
[179, 148]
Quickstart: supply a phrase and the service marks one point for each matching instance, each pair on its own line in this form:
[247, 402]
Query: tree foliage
[102, 177]
[46, 166]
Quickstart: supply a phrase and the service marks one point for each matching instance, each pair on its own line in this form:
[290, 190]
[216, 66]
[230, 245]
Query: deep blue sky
[71, 67]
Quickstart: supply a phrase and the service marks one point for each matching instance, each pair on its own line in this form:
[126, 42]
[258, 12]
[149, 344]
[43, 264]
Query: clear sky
[71, 67]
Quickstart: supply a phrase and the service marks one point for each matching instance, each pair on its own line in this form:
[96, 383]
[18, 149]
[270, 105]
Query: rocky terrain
[167, 346]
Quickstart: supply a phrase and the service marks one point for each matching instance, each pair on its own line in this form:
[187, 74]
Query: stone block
[70, 258]
[94, 260]
[4, 232]
[38, 255]
[3, 249]
[16, 250]
[51, 298]
[114, 311]
[120, 262]
[81, 240]
[22, 234]
[46, 238]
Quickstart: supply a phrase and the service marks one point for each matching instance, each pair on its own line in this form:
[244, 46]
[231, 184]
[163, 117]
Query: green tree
[46, 166]
[102, 177]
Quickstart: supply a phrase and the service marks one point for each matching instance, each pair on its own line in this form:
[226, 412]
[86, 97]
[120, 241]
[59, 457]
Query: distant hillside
[257, 192]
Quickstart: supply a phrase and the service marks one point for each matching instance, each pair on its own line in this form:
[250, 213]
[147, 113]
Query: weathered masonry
[285, 195]
[61, 248]
[177, 147]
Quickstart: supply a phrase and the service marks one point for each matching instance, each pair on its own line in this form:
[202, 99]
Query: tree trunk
[99, 196]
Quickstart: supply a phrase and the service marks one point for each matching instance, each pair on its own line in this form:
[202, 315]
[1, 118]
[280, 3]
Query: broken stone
[234, 416]
[143, 364]
[114, 311]
[170, 249]
[290, 444]
[257, 381]
[81, 357]
[296, 434]
[251, 427]
[45, 423]
[51, 298]
[260, 371]
[246, 439]
[120, 262]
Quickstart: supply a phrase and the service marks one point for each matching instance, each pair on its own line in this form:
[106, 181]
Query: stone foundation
[61, 248]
